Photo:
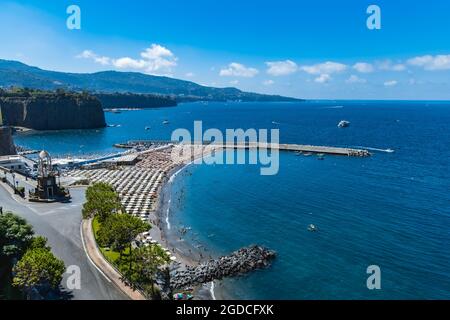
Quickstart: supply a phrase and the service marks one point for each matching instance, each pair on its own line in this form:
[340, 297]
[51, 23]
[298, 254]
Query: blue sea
[391, 210]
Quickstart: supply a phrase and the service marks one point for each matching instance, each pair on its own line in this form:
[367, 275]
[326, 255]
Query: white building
[15, 163]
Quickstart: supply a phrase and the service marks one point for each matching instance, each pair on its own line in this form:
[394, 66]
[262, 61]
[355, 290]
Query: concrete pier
[301, 148]
[350, 152]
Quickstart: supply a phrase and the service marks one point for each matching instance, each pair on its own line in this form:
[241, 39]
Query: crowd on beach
[137, 185]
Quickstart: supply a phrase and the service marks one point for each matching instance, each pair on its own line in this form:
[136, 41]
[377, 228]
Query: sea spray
[377, 149]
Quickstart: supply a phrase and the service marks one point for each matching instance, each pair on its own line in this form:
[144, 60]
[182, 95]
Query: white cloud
[235, 69]
[234, 82]
[388, 65]
[325, 68]
[156, 52]
[88, 54]
[129, 63]
[323, 78]
[398, 67]
[363, 67]
[268, 82]
[154, 60]
[355, 79]
[281, 68]
[390, 83]
[431, 63]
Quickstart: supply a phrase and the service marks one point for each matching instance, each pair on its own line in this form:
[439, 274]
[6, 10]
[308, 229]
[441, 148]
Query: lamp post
[14, 180]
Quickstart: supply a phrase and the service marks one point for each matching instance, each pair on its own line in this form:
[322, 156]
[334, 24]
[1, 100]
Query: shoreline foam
[184, 252]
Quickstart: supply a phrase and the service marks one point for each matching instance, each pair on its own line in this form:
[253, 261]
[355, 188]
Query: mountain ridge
[16, 73]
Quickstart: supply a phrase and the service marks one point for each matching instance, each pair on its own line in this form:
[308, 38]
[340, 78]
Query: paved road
[60, 223]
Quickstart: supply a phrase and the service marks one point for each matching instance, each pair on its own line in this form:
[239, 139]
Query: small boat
[312, 228]
[147, 128]
[113, 110]
[343, 124]
[320, 156]
[183, 296]
[307, 154]
[166, 122]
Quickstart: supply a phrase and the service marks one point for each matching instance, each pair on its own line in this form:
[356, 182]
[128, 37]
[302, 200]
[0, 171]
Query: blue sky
[310, 49]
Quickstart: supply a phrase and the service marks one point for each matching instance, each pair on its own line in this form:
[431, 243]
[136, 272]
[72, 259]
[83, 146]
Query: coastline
[186, 254]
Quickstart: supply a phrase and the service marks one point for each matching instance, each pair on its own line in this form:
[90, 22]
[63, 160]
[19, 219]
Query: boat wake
[334, 107]
[377, 149]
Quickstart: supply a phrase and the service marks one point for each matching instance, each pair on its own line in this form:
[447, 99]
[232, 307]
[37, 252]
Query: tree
[146, 263]
[118, 231]
[15, 236]
[39, 243]
[101, 201]
[39, 270]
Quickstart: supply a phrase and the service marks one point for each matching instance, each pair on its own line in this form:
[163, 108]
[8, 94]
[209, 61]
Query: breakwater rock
[41, 110]
[239, 262]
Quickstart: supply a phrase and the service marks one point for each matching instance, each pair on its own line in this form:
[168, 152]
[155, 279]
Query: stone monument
[48, 189]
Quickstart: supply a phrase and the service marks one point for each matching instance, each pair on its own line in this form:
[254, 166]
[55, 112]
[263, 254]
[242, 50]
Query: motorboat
[343, 124]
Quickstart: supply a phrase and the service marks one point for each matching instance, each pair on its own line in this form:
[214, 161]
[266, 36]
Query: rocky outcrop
[239, 262]
[52, 111]
[6, 142]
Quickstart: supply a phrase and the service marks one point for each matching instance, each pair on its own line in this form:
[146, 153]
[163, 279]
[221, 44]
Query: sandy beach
[168, 235]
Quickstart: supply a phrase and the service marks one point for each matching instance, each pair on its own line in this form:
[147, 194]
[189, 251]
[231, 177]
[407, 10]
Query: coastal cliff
[6, 142]
[130, 100]
[41, 110]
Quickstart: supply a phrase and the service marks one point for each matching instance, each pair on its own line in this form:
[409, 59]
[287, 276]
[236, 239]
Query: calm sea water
[390, 210]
